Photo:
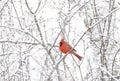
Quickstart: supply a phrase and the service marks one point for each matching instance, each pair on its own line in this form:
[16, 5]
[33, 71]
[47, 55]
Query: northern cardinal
[66, 48]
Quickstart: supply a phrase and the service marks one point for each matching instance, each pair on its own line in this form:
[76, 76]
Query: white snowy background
[30, 32]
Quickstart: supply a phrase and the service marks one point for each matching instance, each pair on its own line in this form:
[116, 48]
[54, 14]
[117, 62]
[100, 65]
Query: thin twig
[18, 42]
[114, 59]
[108, 73]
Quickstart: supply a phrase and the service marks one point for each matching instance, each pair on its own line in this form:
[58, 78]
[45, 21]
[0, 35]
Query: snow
[30, 54]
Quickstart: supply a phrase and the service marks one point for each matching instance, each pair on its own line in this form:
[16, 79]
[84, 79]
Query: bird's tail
[78, 56]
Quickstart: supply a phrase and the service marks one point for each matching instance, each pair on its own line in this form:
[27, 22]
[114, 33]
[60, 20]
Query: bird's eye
[60, 43]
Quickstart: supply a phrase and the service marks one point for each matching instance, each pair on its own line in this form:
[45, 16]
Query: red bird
[66, 48]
